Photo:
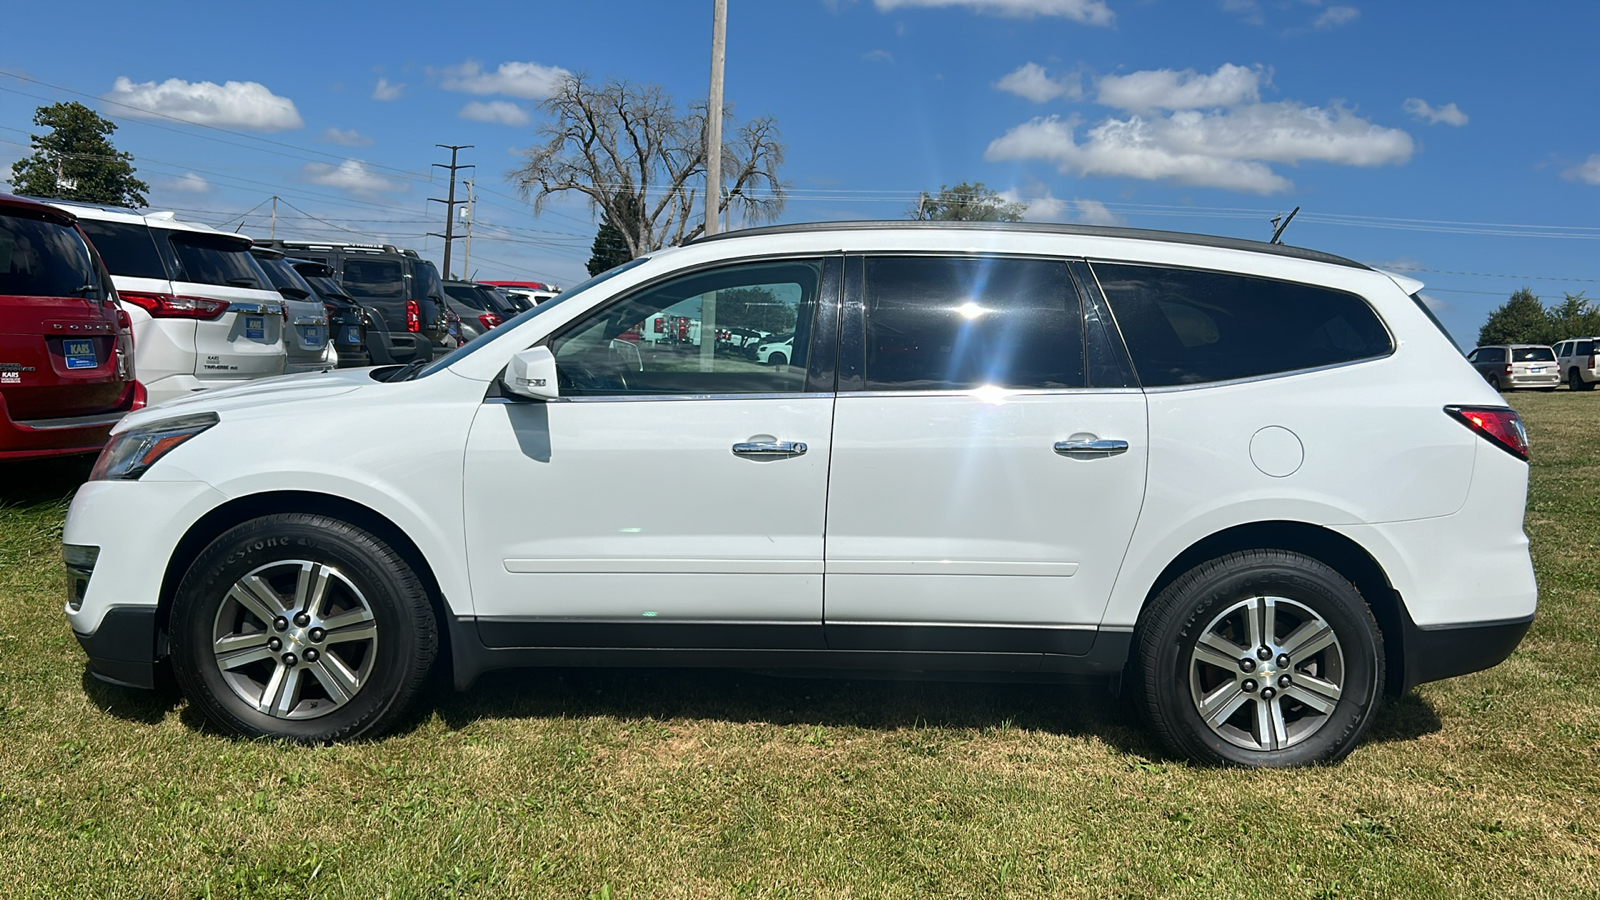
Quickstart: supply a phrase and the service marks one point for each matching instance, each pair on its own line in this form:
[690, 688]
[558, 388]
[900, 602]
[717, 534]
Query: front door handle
[1091, 448]
[769, 448]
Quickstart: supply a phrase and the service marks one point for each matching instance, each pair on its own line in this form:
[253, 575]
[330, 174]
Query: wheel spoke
[258, 597]
[1309, 639]
[237, 650]
[1222, 703]
[311, 587]
[1255, 618]
[1314, 692]
[1209, 653]
[355, 625]
[336, 678]
[1271, 732]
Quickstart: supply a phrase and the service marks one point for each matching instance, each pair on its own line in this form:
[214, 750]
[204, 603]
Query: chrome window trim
[631, 398]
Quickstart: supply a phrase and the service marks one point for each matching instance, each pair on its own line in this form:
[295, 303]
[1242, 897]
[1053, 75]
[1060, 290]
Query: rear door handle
[1091, 448]
[769, 448]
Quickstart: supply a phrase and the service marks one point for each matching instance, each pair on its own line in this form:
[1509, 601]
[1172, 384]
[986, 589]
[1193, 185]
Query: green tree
[966, 203]
[1520, 320]
[76, 160]
[609, 249]
[754, 307]
[1576, 316]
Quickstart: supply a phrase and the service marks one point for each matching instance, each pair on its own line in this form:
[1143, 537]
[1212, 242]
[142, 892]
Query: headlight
[133, 451]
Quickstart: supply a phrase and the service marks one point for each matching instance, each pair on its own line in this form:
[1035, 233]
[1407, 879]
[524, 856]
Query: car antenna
[1277, 229]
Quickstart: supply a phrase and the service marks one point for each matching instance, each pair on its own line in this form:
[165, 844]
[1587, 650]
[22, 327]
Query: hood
[255, 394]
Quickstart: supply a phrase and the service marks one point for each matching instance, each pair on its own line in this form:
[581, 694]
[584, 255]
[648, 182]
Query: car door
[674, 496]
[986, 476]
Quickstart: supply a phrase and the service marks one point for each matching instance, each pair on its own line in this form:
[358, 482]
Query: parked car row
[1509, 367]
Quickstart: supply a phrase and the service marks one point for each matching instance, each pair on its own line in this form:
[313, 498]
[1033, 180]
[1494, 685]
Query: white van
[1257, 486]
[204, 314]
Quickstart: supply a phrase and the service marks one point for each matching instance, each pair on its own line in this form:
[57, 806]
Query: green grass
[710, 784]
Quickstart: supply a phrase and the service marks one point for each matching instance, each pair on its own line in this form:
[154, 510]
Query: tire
[1576, 382]
[1334, 685]
[777, 359]
[351, 648]
[1494, 382]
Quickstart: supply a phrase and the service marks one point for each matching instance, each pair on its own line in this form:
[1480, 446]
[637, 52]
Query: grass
[711, 784]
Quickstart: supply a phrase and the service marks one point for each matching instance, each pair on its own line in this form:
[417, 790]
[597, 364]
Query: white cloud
[1587, 171]
[1032, 82]
[1046, 207]
[1336, 16]
[1228, 149]
[346, 138]
[1090, 12]
[351, 175]
[499, 111]
[1153, 89]
[1449, 113]
[530, 81]
[386, 91]
[878, 56]
[235, 104]
[188, 183]
[1093, 212]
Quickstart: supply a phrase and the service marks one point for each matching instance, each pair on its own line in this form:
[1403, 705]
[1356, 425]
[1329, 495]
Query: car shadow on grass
[43, 481]
[147, 707]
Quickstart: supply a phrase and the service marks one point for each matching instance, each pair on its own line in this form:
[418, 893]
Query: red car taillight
[141, 397]
[1508, 368]
[172, 306]
[1591, 360]
[413, 316]
[1495, 424]
[489, 320]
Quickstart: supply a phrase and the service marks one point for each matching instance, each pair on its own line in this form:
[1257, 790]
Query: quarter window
[126, 248]
[1191, 327]
[958, 324]
[744, 329]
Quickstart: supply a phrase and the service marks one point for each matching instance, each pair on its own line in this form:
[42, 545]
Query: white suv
[1575, 360]
[204, 314]
[1255, 484]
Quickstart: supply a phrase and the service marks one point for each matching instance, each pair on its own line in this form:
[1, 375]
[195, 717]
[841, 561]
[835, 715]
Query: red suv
[66, 347]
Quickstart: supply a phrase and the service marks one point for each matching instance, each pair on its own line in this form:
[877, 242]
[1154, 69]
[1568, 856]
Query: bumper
[388, 347]
[123, 649]
[1450, 650]
[1547, 380]
[58, 437]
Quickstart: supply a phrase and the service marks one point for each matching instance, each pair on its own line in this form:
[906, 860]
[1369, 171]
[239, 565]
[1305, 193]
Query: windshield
[466, 293]
[285, 278]
[1533, 354]
[204, 259]
[471, 347]
[381, 279]
[39, 258]
[328, 288]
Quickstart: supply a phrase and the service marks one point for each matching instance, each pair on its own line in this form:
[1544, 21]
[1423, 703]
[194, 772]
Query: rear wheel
[1576, 382]
[1494, 382]
[301, 627]
[1260, 658]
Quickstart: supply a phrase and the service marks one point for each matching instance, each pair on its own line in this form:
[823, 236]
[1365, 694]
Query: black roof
[1137, 234]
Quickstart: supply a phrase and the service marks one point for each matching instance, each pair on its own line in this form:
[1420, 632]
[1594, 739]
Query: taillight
[1495, 424]
[171, 306]
[413, 316]
[1508, 368]
[141, 397]
[489, 320]
[1591, 360]
[124, 324]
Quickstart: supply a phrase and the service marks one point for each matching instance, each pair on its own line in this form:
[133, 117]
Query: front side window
[204, 259]
[39, 258]
[1185, 326]
[743, 329]
[956, 324]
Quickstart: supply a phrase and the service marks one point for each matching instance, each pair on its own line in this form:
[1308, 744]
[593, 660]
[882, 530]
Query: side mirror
[532, 374]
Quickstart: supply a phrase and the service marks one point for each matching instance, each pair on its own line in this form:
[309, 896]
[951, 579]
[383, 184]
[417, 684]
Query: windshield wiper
[408, 371]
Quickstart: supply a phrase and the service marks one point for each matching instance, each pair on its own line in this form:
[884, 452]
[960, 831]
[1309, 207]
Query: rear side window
[42, 259]
[957, 324]
[1492, 355]
[127, 248]
[205, 259]
[383, 279]
[1584, 348]
[1532, 354]
[1184, 326]
[427, 283]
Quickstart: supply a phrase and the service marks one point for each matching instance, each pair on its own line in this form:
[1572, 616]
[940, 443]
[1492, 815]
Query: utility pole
[719, 47]
[450, 204]
[466, 258]
[272, 234]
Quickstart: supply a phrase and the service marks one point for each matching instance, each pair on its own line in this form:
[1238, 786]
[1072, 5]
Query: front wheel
[1260, 658]
[301, 627]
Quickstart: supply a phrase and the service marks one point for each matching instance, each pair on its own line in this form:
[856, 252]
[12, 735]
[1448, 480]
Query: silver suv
[1508, 367]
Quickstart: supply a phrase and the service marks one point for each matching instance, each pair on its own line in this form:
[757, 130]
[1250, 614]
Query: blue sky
[1458, 140]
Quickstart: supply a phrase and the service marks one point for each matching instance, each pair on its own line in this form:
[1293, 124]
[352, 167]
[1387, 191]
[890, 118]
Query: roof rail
[1137, 234]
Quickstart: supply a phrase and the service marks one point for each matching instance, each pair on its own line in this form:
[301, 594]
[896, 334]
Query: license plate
[1537, 370]
[80, 354]
[255, 328]
[352, 334]
[311, 337]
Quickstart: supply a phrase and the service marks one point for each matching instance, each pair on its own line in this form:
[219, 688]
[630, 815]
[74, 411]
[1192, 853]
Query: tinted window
[285, 278]
[958, 324]
[467, 294]
[383, 279]
[1532, 354]
[1492, 355]
[427, 280]
[699, 334]
[127, 248]
[42, 259]
[1191, 327]
[204, 259]
[1584, 348]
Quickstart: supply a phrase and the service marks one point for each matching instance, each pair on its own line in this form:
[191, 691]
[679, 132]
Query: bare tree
[643, 164]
